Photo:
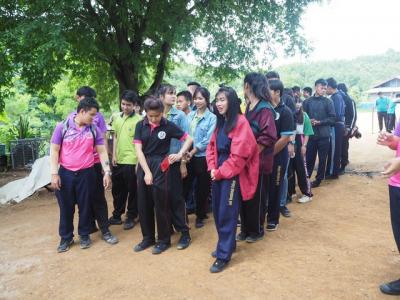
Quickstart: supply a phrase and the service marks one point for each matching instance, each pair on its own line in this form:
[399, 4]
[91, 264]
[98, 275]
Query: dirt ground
[339, 246]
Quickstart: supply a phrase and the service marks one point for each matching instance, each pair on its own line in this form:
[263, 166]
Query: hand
[56, 181]
[291, 151]
[303, 150]
[346, 131]
[174, 158]
[148, 178]
[106, 181]
[315, 122]
[385, 139]
[391, 168]
[184, 172]
[212, 173]
[114, 161]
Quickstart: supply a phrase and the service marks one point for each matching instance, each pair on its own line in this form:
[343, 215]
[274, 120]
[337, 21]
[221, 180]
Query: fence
[25, 151]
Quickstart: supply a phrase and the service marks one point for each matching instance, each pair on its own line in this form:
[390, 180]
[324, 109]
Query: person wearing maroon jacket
[233, 161]
[260, 115]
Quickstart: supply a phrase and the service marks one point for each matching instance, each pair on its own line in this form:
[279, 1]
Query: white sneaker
[304, 199]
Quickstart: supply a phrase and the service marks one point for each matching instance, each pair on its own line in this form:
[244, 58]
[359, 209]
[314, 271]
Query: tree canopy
[120, 44]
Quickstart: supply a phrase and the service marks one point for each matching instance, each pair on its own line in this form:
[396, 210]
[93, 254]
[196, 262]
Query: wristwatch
[109, 173]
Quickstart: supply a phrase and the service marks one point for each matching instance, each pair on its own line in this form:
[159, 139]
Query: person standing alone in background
[382, 106]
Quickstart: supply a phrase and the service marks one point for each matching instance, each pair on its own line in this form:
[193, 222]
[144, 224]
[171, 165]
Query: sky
[345, 29]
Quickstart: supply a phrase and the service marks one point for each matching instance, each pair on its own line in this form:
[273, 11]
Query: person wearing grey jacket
[322, 115]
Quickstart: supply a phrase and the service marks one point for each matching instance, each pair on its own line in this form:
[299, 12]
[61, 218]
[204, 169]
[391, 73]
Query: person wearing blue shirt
[167, 94]
[382, 106]
[202, 123]
[337, 130]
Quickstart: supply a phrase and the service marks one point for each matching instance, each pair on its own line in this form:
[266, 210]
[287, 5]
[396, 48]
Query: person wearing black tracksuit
[322, 116]
[337, 131]
[350, 122]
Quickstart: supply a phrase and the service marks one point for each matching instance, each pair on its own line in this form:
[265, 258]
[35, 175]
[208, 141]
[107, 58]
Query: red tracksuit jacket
[243, 159]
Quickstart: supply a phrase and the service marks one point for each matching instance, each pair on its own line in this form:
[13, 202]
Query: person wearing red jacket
[233, 160]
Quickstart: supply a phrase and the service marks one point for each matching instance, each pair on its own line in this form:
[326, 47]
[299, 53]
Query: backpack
[65, 127]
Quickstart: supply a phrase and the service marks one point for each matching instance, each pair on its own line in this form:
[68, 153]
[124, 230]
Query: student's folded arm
[202, 145]
[281, 143]
[186, 145]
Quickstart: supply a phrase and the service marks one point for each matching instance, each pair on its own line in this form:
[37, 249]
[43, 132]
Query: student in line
[322, 116]
[233, 160]
[184, 101]
[298, 166]
[153, 137]
[99, 202]
[124, 161]
[202, 123]
[73, 145]
[284, 124]
[177, 170]
[337, 131]
[260, 115]
[307, 92]
[392, 169]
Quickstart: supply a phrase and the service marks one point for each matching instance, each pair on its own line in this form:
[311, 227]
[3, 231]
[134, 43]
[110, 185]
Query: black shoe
[64, 245]
[85, 241]
[160, 248]
[218, 266]
[332, 177]
[114, 221]
[272, 227]
[315, 183]
[391, 288]
[254, 238]
[184, 241]
[241, 237]
[109, 238]
[199, 223]
[285, 212]
[129, 224]
[143, 245]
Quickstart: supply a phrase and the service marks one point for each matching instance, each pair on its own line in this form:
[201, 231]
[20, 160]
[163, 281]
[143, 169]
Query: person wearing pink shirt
[73, 177]
[98, 203]
[393, 170]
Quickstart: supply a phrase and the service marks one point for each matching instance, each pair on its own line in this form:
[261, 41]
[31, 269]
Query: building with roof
[388, 88]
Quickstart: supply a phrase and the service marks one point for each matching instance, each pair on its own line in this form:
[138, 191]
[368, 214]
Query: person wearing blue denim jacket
[167, 94]
[202, 123]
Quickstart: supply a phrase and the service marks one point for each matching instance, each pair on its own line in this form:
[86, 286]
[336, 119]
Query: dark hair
[321, 81]
[308, 90]
[397, 95]
[194, 83]
[288, 91]
[299, 115]
[130, 96]
[204, 92]
[259, 85]
[233, 111]
[86, 91]
[379, 93]
[272, 75]
[87, 104]
[186, 94]
[332, 82]
[165, 88]
[342, 87]
[296, 89]
[153, 103]
[276, 85]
